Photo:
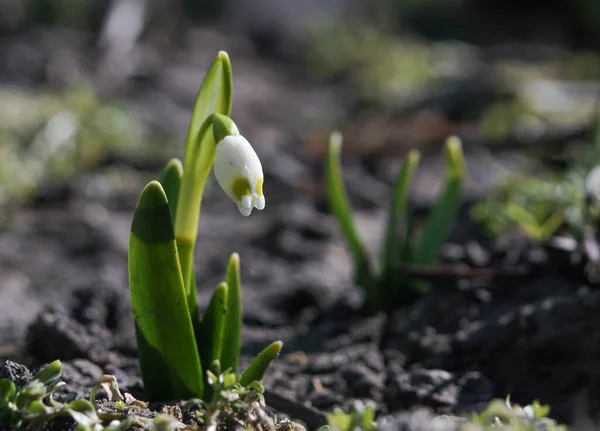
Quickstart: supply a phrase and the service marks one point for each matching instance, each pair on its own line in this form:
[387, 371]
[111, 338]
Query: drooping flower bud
[237, 167]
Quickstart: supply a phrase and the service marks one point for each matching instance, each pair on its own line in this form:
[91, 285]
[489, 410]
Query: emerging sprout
[176, 347]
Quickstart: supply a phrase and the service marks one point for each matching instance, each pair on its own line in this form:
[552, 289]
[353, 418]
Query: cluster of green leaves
[231, 404]
[502, 415]
[360, 418]
[380, 66]
[537, 206]
[175, 345]
[49, 136]
[534, 206]
[234, 402]
[34, 403]
[384, 290]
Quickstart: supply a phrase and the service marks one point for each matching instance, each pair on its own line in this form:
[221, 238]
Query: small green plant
[538, 206]
[175, 345]
[33, 406]
[360, 418]
[534, 206]
[34, 402]
[384, 290]
[502, 415]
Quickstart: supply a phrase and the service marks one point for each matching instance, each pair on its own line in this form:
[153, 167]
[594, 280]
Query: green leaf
[540, 410]
[168, 355]
[232, 331]
[83, 412]
[210, 341]
[170, 179]
[7, 390]
[397, 212]
[214, 96]
[340, 206]
[442, 216]
[49, 373]
[36, 409]
[398, 233]
[256, 369]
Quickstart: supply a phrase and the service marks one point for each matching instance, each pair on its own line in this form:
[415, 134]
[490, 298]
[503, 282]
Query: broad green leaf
[170, 179]
[256, 369]
[210, 341]
[214, 96]
[168, 355]
[49, 373]
[340, 206]
[232, 331]
[36, 409]
[83, 412]
[7, 390]
[442, 216]
[397, 234]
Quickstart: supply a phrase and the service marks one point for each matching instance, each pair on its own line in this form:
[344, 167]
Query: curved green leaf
[214, 96]
[232, 331]
[7, 390]
[170, 179]
[49, 373]
[256, 369]
[210, 341]
[442, 216]
[83, 412]
[340, 206]
[397, 223]
[168, 356]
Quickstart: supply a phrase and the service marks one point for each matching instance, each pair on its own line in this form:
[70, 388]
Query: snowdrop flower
[238, 170]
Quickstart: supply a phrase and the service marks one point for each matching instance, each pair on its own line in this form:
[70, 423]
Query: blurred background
[102, 86]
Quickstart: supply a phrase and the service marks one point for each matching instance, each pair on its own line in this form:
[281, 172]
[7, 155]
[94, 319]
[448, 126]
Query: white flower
[239, 173]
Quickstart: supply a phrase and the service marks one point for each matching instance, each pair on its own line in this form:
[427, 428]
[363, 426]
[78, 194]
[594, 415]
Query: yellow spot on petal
[241, 187]
[259, 185]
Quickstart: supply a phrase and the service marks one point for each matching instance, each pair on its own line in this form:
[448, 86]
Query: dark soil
[533, 334]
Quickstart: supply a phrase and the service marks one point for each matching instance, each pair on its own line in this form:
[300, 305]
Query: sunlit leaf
[340, 206]
[232, 331]
[49, 373]
[444, 213]
[259, 365]
[210, 341]
[167, 351]
[214, 96]
[170, 179]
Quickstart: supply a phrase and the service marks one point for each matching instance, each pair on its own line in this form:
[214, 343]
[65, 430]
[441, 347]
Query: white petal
[259, 202]
[246, 202]
[235, 158]
[245, 211]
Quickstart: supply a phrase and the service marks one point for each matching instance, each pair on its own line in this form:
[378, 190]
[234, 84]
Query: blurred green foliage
[538, 205]
[502, 415]
[59, 135]
[381, 67]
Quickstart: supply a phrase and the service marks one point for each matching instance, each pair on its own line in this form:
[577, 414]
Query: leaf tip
[454, 156]
[174, 165]
[335, 141]
[234, 261]
[223, 56]
[152, 196]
